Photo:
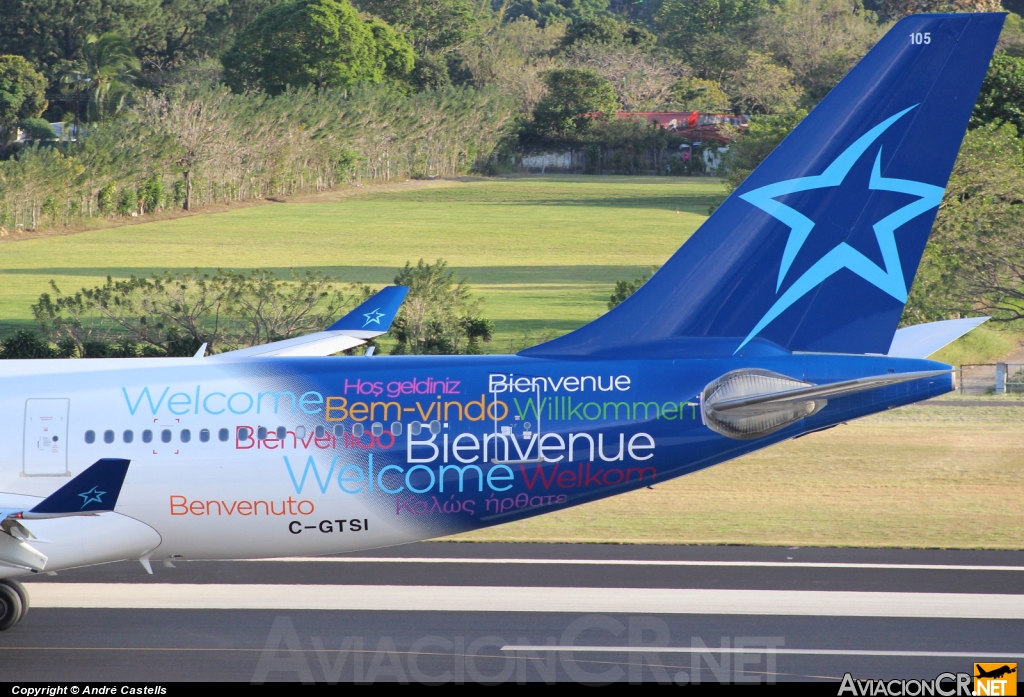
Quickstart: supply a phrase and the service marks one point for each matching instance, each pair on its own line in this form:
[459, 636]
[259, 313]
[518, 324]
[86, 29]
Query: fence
[991, 378]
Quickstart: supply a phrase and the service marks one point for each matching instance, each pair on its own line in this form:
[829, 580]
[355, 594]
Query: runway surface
[443, 612]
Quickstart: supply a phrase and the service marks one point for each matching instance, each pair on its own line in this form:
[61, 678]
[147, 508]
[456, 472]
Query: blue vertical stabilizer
[817, 249]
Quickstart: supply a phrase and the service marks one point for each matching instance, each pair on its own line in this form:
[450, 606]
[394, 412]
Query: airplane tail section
[817, 249]
[95, 490]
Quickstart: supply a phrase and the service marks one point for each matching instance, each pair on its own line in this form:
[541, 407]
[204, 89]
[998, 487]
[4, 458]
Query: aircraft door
[46, 437]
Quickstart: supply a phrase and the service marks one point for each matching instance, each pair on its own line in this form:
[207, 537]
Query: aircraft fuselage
[284, 457]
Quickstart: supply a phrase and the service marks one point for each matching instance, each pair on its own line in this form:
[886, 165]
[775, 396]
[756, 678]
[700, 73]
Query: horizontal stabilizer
[828, 391]
[922, 340]
[369, 320]
[93, 491]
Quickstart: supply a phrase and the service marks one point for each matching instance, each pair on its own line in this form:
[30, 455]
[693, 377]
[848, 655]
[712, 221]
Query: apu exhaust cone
[755, 420]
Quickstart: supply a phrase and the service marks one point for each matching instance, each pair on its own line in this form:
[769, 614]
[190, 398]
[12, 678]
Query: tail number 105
[918, 38]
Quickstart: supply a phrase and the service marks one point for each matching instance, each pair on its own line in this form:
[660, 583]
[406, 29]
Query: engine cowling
[755, 420]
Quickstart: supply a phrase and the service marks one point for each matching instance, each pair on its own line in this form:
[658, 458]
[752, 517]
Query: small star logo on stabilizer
[92, 496]
[843, 256]
[373, 316]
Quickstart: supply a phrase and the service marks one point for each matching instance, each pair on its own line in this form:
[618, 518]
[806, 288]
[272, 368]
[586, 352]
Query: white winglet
[922, 340]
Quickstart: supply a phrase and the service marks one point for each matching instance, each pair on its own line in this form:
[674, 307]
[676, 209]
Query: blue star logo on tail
[889, 279]
[92, 496]
[373, 317]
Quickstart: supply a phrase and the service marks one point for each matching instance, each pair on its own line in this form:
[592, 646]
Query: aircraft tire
[10, 607]
[22, 595]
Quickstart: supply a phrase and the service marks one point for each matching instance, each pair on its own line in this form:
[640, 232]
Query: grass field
[920, 476]
[544, 252]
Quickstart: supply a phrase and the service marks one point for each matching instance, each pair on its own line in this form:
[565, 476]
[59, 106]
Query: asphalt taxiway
[442, 612]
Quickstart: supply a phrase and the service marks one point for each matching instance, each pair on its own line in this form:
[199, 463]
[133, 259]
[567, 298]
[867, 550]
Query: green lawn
[919, 476]
[544, 252]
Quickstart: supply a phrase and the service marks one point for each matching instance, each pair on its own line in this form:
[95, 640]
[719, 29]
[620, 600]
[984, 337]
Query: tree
[197, 127]
[38, 129]
[22, 94]
[438, 316]
[606, 29]
[818, 40]
[1011, 38]
[52, 33]
[574, 98]
[1002, 94]
[324, 43]
[763, 134]
[974, 261]
[25, 344]
[392, 49]
[687, 22]
[642, 78]
[712, 36]
[897, 9]
[512, 57]
[624, 289]
[761, 86]
[107, 72]
[431, 26]
[546, 12]
[174, 314]
[430, 73]
[697, 94]
[223, 23]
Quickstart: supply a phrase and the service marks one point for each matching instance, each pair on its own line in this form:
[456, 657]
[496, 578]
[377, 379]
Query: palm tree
[107, 72]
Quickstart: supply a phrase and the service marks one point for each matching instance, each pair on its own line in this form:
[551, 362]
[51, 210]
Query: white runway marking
[526, 599]
[774, 649]
[635, 562]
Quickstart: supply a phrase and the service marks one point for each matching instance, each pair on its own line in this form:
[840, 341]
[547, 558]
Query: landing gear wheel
[22, 594]
[10, 607]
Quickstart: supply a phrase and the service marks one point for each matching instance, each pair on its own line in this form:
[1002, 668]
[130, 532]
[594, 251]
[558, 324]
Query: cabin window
[339, 431]
[300, 432]
[165, 435]
[90, 436]
[223, 435]
[319, 431]
[435, 427]
[357, 430]
[128, 436]
[281, 432]
[396, 428]
[261, 434]
[204, 435]
[108, 436]
[147, 436]
[243, 433]
[377, 428]
[186, 435]
[414, 428]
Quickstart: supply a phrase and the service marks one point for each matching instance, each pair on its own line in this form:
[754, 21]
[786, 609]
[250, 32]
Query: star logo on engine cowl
[887, 276]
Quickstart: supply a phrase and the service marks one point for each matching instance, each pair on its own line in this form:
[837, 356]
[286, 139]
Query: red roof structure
[693, 125]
